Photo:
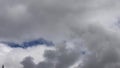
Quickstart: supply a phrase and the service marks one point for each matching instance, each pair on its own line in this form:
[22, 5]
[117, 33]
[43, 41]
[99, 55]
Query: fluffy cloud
[62, 57]
[11, 57]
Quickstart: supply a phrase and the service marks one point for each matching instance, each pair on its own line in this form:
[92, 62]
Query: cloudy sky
[83, 33]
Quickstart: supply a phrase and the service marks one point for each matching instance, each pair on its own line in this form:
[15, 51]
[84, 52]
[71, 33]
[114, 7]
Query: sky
[84, 33]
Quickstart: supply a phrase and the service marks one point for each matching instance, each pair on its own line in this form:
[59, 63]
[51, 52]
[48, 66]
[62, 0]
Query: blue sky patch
[30, 43]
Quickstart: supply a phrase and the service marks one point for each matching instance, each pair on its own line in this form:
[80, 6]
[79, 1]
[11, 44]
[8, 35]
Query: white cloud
[11, 57]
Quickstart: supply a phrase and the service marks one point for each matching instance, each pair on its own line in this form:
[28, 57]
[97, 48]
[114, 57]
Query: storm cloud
[95, 22]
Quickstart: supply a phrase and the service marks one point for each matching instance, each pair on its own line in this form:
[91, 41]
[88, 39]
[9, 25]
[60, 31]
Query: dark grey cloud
[108, 57]
[26, 19]
[103, 44]
[60, 19]
[29, 63]
[36, 18]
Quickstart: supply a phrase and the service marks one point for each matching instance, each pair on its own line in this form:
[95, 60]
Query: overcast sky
[86, 33]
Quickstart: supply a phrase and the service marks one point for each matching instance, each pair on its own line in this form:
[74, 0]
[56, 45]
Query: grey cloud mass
[93, 21]
[29, 63]
[34, 18]
[50, 19]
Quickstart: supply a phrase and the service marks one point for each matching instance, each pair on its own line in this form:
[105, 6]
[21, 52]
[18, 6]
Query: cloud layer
[29, 19]
[95, 22]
